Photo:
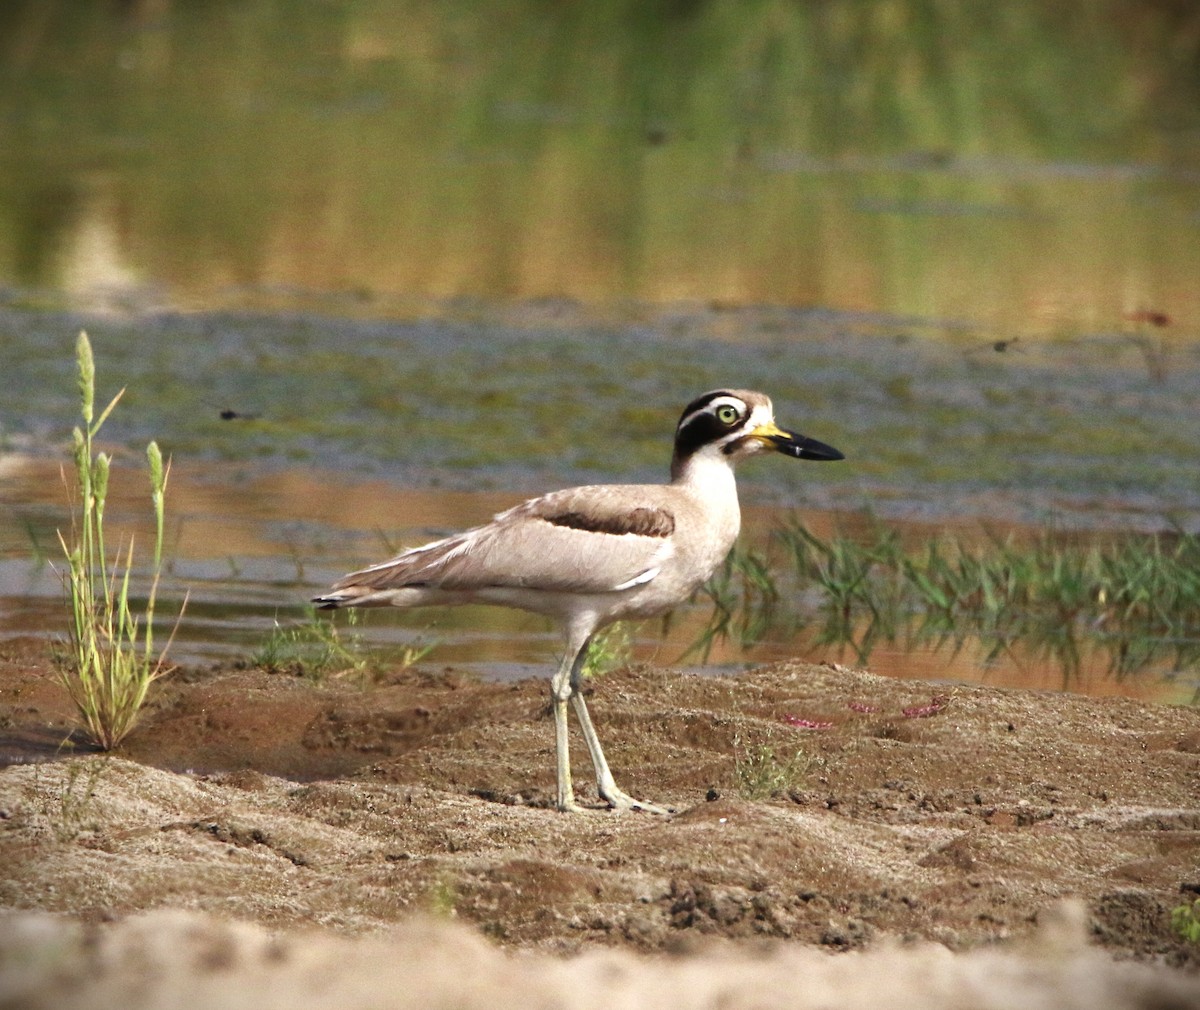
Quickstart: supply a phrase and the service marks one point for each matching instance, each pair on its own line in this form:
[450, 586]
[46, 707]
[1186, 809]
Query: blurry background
[373, 270]
[1003, 164]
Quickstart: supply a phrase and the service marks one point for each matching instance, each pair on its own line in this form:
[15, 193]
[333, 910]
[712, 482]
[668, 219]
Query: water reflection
[1020, 168]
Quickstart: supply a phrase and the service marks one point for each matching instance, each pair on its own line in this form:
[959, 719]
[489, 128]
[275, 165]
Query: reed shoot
[111, 662]
[1130, 601]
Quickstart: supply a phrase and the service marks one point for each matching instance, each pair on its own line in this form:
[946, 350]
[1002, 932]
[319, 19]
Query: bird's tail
[355, 594]
[350, 596]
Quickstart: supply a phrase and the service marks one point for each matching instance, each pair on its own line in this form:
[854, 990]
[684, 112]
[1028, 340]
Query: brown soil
[958, 815]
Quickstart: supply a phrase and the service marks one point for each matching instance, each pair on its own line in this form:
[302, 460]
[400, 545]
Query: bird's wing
[582, 540]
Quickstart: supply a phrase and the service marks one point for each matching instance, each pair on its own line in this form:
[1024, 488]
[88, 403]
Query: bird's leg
[560, 690]
[606, 785]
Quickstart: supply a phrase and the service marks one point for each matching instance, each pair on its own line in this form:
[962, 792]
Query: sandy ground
[841, 839]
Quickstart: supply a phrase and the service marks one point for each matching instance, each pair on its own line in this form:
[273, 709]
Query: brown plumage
[642, 522]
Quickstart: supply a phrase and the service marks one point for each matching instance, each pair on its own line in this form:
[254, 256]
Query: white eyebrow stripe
[712, 405]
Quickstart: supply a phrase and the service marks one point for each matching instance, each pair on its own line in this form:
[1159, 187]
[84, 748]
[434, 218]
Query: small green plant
[110, 663]
[1185, 920]
[745, 600]
[75, 800]
[410, 654]
[314, 649]
[610, 649]
[318, 648]
[443, 898]
[762, 773]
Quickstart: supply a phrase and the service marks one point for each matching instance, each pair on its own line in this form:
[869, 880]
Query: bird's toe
[621, 801]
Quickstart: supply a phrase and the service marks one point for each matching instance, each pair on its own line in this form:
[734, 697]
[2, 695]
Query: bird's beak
[791, 444]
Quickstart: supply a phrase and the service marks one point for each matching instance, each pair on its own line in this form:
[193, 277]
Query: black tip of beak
[801, 447]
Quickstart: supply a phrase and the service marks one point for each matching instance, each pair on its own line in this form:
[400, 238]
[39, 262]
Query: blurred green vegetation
[1013, 164]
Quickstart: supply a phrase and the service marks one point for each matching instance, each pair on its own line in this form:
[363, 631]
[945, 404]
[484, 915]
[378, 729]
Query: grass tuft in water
[314, 649]
[110, 664]
[1132, 602]
[744, 595]
[318, 648]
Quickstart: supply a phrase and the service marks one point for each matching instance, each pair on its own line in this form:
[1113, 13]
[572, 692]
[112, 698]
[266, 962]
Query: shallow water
[353, 437]
[1076, 433]
[370, 273]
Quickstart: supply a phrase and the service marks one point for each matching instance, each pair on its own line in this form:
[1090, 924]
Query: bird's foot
[620, 801]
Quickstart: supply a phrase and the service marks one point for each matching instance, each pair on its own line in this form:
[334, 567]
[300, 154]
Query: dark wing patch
[642, 522]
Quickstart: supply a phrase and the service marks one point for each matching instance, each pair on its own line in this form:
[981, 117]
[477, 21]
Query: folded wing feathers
[551, 543]
[416, 566]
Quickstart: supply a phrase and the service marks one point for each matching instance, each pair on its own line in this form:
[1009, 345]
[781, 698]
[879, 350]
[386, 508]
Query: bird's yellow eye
[727, 414]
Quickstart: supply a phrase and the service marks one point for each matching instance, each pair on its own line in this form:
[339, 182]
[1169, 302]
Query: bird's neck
[709, 475]
[708, 480]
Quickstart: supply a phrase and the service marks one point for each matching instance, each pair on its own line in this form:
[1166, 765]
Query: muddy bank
[819, 809]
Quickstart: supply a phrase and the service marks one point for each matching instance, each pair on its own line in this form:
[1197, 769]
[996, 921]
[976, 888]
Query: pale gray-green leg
[560, 691]
[606, 785]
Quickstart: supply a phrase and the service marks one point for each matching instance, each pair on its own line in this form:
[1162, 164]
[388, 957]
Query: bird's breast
[705, 531]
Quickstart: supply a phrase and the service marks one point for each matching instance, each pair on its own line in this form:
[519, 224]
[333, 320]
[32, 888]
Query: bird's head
[730, 424]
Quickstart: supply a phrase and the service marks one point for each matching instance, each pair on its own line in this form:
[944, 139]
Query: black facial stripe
[729, 448]
[703, 429]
